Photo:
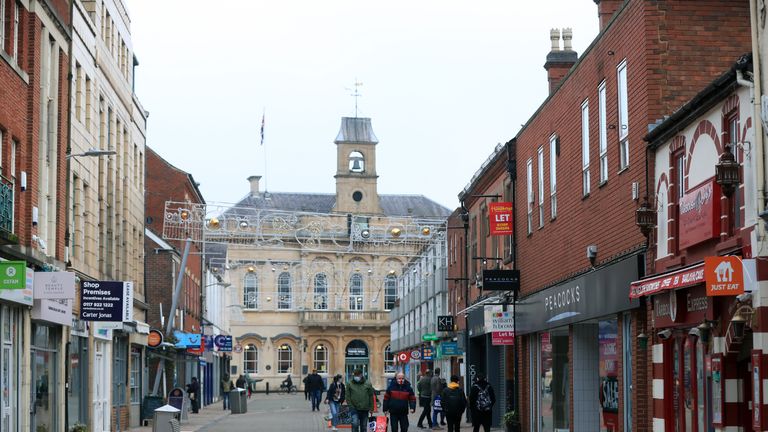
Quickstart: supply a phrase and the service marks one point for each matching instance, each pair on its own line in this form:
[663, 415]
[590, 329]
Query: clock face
[357, 196]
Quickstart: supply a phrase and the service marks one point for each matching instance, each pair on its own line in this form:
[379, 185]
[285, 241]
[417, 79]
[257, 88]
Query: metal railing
[344, 318]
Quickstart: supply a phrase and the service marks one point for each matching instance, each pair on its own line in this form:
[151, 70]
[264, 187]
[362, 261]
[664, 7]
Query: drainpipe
[757, 93]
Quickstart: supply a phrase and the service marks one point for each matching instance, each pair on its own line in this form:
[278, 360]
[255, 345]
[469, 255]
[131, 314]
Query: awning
[683, 278]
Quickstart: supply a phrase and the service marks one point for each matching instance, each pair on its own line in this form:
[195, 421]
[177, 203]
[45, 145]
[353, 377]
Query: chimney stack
[254, 184]
[559, 62]
[606, 9]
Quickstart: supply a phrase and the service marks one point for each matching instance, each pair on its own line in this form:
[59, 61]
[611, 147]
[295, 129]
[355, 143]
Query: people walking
[226, 387]
[481, 401]
[424, 387]
[336, 396]
[360, 401]
[398, 399]
[436, 388]
[454, 402]
[306, 387]
[193, 390]
[241, 382]
[315, 387]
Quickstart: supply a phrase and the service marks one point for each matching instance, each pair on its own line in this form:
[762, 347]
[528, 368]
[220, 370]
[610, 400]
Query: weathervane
[356, 93]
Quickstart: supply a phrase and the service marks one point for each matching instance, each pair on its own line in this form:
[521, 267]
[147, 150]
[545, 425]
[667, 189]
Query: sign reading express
[106, 301]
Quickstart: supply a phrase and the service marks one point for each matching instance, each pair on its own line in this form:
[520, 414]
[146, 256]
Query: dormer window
[356, 162]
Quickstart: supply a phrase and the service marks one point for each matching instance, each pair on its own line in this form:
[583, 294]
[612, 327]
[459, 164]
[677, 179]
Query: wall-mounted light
[738, 323]
[642, 341]
[727, 173]
[645, 218]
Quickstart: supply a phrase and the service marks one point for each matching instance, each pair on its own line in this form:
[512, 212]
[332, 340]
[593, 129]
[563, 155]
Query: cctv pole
[172, 313]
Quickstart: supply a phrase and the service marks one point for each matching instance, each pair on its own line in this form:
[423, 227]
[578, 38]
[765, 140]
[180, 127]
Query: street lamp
[93, 152]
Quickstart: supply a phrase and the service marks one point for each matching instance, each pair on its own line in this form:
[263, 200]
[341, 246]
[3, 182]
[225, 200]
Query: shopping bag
[438, 406]
[377, 423]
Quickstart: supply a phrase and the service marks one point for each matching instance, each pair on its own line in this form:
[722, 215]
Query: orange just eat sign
[724, 275]
[500, 215]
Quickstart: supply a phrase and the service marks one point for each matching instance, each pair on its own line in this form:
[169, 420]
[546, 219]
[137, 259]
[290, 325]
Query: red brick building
[163, 258]
[579, 175]
[34, 95]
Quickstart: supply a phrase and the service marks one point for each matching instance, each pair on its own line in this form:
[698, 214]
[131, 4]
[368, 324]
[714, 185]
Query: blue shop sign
[449, 349]
[187, 340]
[427, 353]
[223, 342]
[208, 341]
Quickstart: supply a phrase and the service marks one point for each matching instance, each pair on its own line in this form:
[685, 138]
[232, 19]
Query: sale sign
[502, 338]
[500, 214]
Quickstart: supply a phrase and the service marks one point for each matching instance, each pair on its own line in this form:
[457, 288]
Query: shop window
[609, 375]
[689, 390]
[554, 381]
[135, 378]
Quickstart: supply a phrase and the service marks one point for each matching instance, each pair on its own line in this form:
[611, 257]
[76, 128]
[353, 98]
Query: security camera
[592, 254]
[664, 334]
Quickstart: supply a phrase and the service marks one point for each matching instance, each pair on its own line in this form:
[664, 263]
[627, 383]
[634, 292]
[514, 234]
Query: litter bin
[238, 401]
[166, 419]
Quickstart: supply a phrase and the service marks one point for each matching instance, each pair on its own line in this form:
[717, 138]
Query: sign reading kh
[500, 214]
[724, 275]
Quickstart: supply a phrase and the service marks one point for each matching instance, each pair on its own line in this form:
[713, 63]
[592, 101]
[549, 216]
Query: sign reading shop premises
[107, 301]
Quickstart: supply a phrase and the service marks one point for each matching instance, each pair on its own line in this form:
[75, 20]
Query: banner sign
[13, 275]
[445, 323]
[500, 215]
[208, 342]
[501, 280]
[502, 338]
[724, 275]
[106, 301]
[223, 342]
[427, 353]
[54, 285]
[57, 311]
[699, 214]
[680, 279]
[501, 322]
[155, 338]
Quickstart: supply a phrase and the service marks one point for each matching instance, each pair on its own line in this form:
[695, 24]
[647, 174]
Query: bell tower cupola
[356, 178]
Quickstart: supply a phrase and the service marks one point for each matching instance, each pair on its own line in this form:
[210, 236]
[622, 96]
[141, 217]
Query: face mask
[357, 379]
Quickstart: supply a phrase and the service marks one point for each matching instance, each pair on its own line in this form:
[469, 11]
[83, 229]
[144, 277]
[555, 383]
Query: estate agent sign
[106, 301]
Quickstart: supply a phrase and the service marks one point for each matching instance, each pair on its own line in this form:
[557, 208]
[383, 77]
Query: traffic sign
[445, 323]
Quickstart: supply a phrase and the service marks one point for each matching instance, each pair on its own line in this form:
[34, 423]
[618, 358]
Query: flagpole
[266, 177]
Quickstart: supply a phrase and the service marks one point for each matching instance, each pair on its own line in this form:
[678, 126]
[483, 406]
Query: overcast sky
[444, 81]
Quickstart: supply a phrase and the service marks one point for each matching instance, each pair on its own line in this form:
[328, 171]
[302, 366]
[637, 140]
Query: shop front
[579, 353]
[702, 350]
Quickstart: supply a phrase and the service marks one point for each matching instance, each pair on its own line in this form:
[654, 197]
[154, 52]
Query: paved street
[276, 412]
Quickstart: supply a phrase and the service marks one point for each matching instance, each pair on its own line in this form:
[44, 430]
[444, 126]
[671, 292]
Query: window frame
[731, 137]
[253, 350]
[553, 176]
[389, 360]
[356, 301]
[586, 184]
[531, 198]
[603, 129]
[622, 114]
[284, 291]
[390, 292]
[318, 294]
[253, 290]
[284, 349]
[321, 364]
[134, 377]
[540, 159]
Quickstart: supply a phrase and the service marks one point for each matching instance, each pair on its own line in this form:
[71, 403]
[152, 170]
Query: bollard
[267, 389]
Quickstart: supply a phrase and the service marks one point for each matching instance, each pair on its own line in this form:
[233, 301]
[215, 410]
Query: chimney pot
[567, 37]
[254, 184]
[554, 36]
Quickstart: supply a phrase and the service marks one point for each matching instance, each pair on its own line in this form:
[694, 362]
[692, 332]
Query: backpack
[483, 401]
[453, 400]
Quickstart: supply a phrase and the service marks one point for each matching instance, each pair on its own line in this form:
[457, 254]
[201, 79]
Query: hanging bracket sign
[106, 301]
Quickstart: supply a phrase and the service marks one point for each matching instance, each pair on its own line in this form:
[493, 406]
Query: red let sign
[503, 338]
[500, 214]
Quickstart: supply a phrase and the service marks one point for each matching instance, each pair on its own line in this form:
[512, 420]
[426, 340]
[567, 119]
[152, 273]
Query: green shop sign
[13, 275]
[429, 337]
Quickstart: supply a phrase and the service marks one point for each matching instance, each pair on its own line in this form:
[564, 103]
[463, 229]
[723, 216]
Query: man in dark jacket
[453, 402]
[481, 401]
[315, 386]
[425, 399]
[398, 399]
[193, 390]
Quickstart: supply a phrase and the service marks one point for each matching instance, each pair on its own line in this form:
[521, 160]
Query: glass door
[43, 398]
[9, 368]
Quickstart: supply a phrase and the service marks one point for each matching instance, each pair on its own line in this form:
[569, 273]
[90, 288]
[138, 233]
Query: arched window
[390, 292]
[284, 298]
[320, 358]
[251, 291]
[389, 360]
[284, 359]
[356, 162]
[251, 359]
[321, 291]
[356, 292]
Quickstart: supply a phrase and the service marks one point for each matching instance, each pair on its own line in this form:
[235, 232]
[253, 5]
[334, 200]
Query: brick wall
[158, 282]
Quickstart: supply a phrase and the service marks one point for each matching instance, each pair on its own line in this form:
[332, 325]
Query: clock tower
[356, 177]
